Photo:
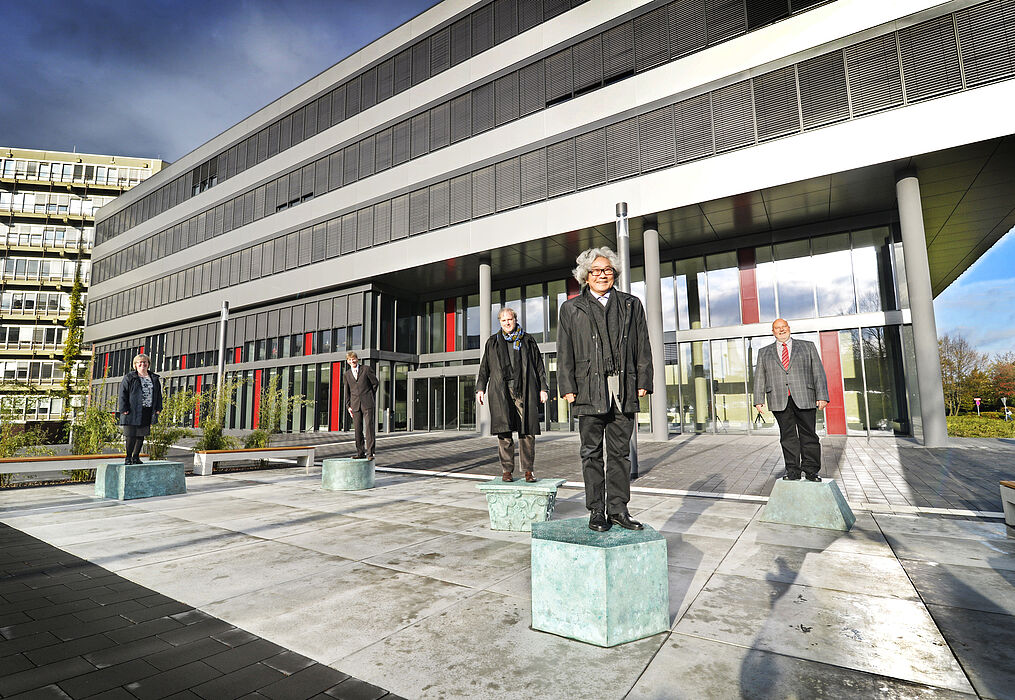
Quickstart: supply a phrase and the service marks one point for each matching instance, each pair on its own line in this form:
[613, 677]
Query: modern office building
[48, 202]
[836, 163]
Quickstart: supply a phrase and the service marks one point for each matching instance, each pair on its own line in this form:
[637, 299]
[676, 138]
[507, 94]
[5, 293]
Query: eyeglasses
[601, 272]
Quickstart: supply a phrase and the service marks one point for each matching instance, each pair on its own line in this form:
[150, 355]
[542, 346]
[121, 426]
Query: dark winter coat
[131, 398]
[580, 360]
[491, 379]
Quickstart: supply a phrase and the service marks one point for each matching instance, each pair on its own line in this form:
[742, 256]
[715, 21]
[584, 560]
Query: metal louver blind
[987, 38]
[383, 154]
[368, 90]
[560, 170]
[400, 143]
[461, 198]
[440, 51]
[419, 211]
[385, 80]
[305, 247]
[622, 149]
[651, 39]
[245, 264]
[483, 192]
[532, 96]
[319, 244]
[530, 13]
[875, 82]
[399, 217]
[290, 245]
[775, 103]
[823, 96]
[588, 64]
[334, 238]
[364, 228]
[352, 98]
[533, 176]
[558, 76]
[930, 59]
[420, 141]
[508, 185]
[762, 12]
[440, 126]
[349, 233]
[382, 222]
[337, 106]
[657, 139]
[733, 116]
[439, 205]
[234, 268]
[420, 61]
[693, 120]
[618, 52]
[366, 156]
[482, 29]
[258, 204]
[255, 264]
[351, 170]
[506, 98]
[461, 40]
[552, 8]
[505, 20]
[403, 71]
[590, 158]
[482, 108]
[335, 171]
[461, 117]
[724, 19]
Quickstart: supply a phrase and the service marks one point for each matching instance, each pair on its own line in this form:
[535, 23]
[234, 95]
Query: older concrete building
[833, 162]
[48, 202]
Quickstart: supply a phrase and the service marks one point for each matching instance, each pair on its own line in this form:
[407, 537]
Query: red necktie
[785, 357]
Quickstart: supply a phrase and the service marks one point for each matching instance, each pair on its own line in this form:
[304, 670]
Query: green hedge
[972, 426]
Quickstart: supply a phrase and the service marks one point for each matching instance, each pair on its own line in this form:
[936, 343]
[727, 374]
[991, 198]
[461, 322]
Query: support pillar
[921, 304]
[485, 313]
[654, 319]
[624, 252]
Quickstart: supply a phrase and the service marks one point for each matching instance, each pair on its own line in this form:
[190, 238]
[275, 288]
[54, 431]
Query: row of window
[813, 93]
[43, 269]
[38, 303]
[664, 34]
[44, 236]
[31, 335]
[41, 371]
[51, 203]
[22, 408]
[491, 24]
[24, 169]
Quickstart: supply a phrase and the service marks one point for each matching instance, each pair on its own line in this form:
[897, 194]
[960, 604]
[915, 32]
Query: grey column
[485, 312]
[921, 304]
[654, 318]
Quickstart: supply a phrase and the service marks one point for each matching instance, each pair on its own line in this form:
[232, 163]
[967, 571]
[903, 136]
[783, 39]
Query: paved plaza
[256, 577]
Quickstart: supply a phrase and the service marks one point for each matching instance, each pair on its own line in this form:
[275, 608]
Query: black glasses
[601, 272]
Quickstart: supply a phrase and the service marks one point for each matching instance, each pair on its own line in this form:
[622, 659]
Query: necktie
[785, 357]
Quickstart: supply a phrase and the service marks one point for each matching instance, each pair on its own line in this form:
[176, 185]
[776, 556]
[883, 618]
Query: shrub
[169, 428]
[972, 426]
[257, 439]
[213, 437]
[95, 429]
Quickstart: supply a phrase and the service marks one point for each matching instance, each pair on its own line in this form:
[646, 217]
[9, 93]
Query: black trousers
[606, 485]
[800, 446]
[363, 424]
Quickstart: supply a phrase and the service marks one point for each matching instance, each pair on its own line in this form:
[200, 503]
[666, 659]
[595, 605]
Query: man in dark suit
[604, 365]
[790, 376]
[360, 383]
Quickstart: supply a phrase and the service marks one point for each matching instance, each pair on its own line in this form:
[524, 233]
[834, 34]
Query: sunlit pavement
[406, 588]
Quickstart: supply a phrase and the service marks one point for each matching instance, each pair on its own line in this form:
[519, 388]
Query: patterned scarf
[514, 337]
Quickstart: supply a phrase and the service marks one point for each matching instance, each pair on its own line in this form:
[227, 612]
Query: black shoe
[813, 477]
[791, 477]
[625, 521]
[598, 521]
[360, 456]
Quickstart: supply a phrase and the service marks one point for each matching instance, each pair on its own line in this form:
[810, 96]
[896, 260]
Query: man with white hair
[604, 365]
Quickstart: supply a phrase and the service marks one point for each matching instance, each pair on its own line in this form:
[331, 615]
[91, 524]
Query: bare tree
[960, 363]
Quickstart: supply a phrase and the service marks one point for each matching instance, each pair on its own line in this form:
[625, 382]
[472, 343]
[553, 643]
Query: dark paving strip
[71, 629]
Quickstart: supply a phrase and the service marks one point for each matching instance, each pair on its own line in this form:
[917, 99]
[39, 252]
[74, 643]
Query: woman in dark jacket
[140, 403]
[512, 376]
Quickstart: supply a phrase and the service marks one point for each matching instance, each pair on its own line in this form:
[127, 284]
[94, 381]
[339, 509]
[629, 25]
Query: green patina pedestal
[347, 474]
[604, 588]
[128, 481]
[809, 504]
[518, 504]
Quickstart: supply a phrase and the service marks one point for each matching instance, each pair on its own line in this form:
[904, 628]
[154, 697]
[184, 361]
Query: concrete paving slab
[863, 538]
[328, 617]
[997, 554]
[291, 521]
[361, 539]
[969, 587]
[684, 587]
[839, 571]
[941, 527]
[664, 519]
[695, 551]
[883, 635]
[461, 559]
[985, 644]
[91, 528]
[483, 648]
[691, 668]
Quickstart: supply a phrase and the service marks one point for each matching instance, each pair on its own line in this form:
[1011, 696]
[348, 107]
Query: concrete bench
[205, 460]
[56, 463]
[1008, 502]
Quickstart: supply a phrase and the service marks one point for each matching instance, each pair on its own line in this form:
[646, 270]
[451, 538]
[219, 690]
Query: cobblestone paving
[888, 472]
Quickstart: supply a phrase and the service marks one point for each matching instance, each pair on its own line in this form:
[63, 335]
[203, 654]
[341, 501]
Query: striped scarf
[514, 337]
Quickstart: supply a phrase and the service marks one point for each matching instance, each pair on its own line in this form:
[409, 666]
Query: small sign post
[977, 402]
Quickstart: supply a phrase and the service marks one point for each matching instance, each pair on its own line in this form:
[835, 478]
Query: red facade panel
[257, 397]
[835, 411]
[336, 395]
[746, 261]
[449, 325]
